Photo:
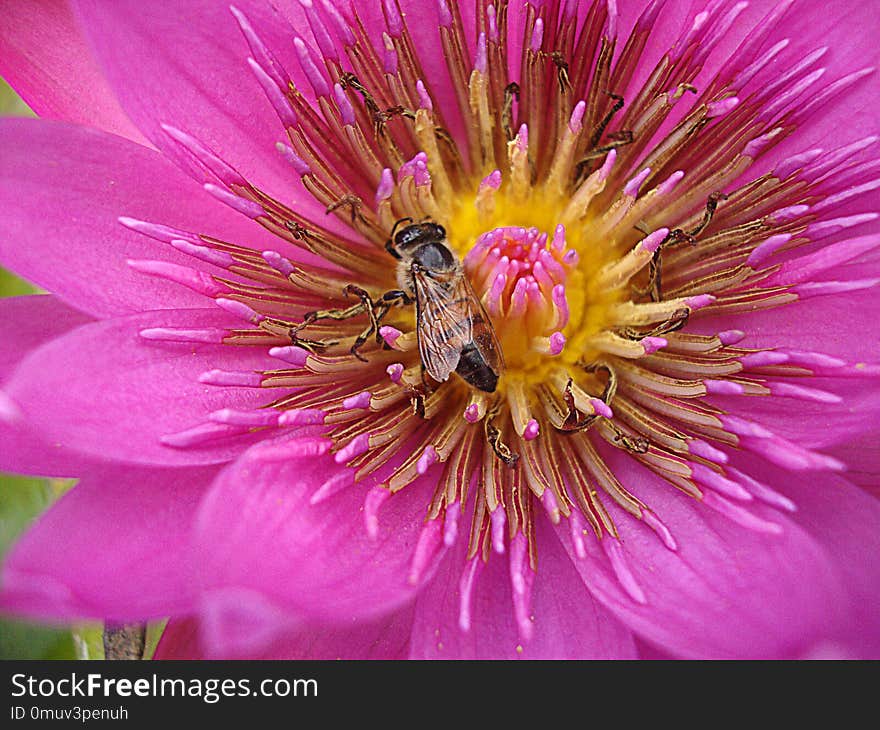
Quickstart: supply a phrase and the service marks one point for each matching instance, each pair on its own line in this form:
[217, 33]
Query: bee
[454, 332]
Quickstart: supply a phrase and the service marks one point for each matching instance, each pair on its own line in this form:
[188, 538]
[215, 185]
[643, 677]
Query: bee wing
[450, 317]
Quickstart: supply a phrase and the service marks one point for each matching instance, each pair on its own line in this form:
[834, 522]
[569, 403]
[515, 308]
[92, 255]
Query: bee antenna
[397, 224]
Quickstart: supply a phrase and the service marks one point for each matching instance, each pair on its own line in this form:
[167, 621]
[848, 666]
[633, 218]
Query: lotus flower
[662, 235]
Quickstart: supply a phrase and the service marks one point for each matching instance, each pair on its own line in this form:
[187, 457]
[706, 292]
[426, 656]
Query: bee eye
[441, 230]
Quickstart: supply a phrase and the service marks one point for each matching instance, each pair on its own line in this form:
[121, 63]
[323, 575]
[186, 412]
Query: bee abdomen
[473, 369]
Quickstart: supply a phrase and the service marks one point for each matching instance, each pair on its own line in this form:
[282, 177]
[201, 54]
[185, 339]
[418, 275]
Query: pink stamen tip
[700, 448]
[346, 111]
[385, 187]
[231, 378]
[652, 521]
[395, 371]
[278, 262]
[790, 390]
[375, 498]
[601, 408]
[481, 62]
[617, 558]
[824, 288]
[561, 303]
[272, 88]
[172, 334]
[193, 279]
[390, 335]
[576, 121]
[299, 164]
[670, 182]
[537, 36]
[721, 484]
[472, 413]
[166, 234]
[389, 57]
[426, 460]
[531, 431]
[424, 98]
[757, 145]
[333, 485]
[571, 258]
[234, 417]
[558, 244]
[310, 69]
[788, 213]
[522, 138]
[359, 445]
[763, 359]
[224, 172]
[652, 344]
[426, 548]
[246, 207]
[291, 354]
[767, 248]
[723, 387]
[557, 343]
[796, 163]
[450, 525]
[498, 521]
[652, 241]
[631, 189]
[605, 170]
[202, 434]
[445, 14]
[740, 515]
[393, 17]
[699, 301]
[359, 401]
[716, 109]
[551, 506]
[302, 417]
[731, 337]
[492, 180]
[610, 30]
[240, 309]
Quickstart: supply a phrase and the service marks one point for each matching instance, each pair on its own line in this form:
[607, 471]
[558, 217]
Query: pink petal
[568, 622]
[62, 190]
[104, 391]
[269, 560]
[843, 520]
[25, 324]
[115, 547]
[47, 60]
[383, 638]
[727, 592]
[185, 64]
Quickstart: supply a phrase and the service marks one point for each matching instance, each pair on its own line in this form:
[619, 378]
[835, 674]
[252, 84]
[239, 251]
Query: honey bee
[454, 331]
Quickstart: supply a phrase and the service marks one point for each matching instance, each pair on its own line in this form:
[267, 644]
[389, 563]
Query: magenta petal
[29, 321]
[62, 191]
[105, 391]
[843, 521]
[727, 592]
[568, 622]
[185, 64]
[25, 324]
[115, 547]
[269, 560]
[46, 59]
[382, 638]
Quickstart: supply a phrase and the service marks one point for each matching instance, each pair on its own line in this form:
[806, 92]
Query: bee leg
[603, 125]
[390, 248]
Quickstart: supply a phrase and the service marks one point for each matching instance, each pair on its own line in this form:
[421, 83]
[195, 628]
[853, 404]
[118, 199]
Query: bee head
[417, 234]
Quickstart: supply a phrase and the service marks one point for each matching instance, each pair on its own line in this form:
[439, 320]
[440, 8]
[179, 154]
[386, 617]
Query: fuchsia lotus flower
[667, 216]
